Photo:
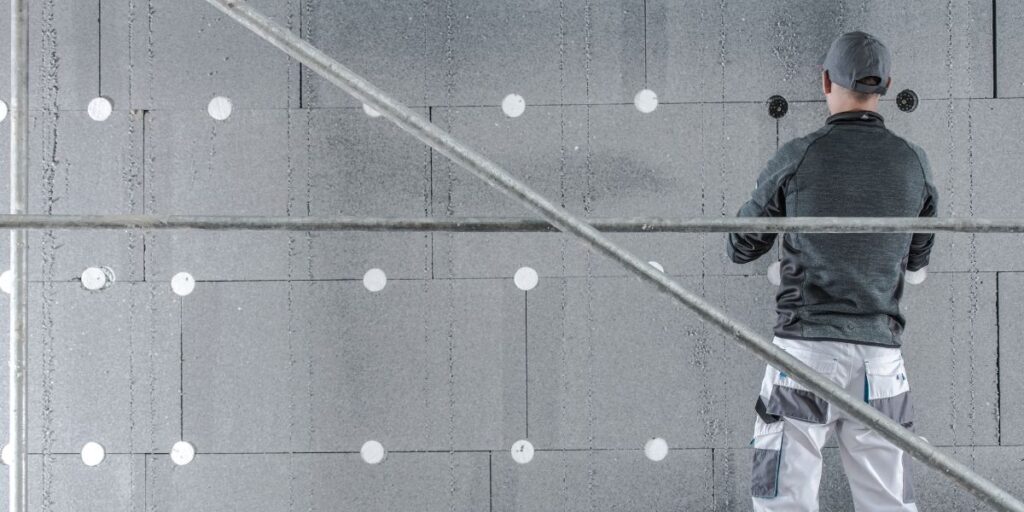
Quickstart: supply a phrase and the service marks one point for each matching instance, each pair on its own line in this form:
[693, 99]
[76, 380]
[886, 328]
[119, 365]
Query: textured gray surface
[346, 375]
[705, 50]
[102, 355]
[1009, 16]
[444, 53]
[62, 483]
[280, 364]
[596, 480]
[1011, 348]
[179, 55]
[79, 166]
[323, 481]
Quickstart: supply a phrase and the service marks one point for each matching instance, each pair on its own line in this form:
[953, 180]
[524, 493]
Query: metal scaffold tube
[497, 177]
[519, 225]
[17, 368]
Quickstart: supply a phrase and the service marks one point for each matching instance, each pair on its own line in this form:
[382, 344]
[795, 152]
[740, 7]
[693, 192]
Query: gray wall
[281, 364]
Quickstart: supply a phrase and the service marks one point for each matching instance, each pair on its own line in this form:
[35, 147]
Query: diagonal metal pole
[497, 177]
[17, 488]
[520, 225]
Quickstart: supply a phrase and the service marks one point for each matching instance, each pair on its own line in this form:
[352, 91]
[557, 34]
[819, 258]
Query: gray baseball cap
[857, 55]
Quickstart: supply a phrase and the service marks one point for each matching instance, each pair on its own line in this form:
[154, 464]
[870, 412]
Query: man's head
[855, 72]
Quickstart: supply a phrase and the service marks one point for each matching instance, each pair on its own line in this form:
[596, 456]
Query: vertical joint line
[181, 369]
[490, 480]
[145, 481]
[143, 129]
[999, 393]
[526, 355]
[142, 120]
[430, 193]
[714, 505]
[302, 9]
[99, 47]
[430, 153]
[645, 43]
[995, 53]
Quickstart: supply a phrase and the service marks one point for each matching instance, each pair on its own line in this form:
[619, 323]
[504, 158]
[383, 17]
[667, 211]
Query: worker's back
[844, 287]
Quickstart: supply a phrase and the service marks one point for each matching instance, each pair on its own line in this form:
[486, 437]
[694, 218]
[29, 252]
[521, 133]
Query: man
[838, 302]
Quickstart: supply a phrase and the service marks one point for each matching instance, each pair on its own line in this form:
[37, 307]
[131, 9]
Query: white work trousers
[793, 424]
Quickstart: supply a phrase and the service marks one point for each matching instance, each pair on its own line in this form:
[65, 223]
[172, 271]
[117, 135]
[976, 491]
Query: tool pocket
[789, 398]
[888, 390]
[767, 444]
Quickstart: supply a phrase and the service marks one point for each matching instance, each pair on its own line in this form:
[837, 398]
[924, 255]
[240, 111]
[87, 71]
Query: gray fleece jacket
[842, 287]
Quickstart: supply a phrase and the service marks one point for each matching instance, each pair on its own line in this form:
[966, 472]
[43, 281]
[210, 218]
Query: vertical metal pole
[18, 370]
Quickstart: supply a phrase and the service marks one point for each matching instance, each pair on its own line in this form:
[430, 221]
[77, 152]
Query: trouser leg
[794, 421]
[798, 470]
[879, 472]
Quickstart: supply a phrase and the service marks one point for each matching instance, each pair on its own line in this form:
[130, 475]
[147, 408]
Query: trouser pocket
[787, 397]
[767, 444]
[888, 390]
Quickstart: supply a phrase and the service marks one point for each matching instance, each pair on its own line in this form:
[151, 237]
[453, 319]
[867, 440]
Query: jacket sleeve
[921, 243]
[767, 200]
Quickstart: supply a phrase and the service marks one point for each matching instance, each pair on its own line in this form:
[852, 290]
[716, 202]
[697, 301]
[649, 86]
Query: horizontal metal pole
[497, 177]
[521, 225]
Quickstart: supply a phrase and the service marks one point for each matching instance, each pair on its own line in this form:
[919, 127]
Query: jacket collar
[859, 117]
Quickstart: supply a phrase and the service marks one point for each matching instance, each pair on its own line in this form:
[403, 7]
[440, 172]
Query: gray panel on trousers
[1011, 353]
[797, 404]
[544, 51]
[182, 54]
[65, 484]
[325, 481]
[80, 166]
[103, 367]
[933, 491]
[732, 474]
[1009, 46]
[611, 366]
[604, 480]
[63, 66]
[714, 51]
[357, 366]
[950, 346]
[678, 161]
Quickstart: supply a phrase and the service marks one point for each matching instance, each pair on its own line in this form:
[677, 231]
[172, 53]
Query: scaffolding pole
[497, 177]
[17, 410]
[519, 225]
